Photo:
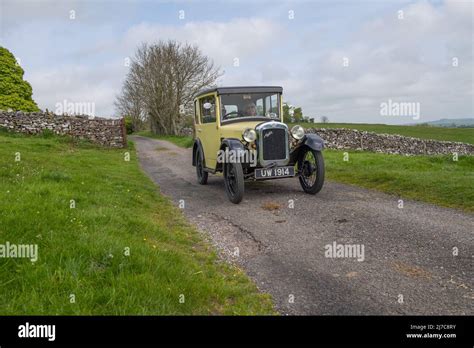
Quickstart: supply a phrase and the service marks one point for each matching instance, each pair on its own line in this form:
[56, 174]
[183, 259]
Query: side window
[268, 105]
[196, 112]
[271, 105]
[208, 109]
[259, 105]
[274, 101]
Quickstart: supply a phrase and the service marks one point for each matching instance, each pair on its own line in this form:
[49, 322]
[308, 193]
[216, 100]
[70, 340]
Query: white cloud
[406, 60]
[99, 83]
[78, 84]
[242, 38]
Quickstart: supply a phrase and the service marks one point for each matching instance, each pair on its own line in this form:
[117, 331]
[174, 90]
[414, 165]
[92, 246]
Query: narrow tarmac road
[279, 235]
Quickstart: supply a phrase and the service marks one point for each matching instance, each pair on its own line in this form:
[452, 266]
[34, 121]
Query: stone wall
[106, 132]
[186, 132]
[351, 139]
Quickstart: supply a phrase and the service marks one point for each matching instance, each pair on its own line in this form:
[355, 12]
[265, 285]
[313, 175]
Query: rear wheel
[201, 174]
[234, 182]
[311, 168]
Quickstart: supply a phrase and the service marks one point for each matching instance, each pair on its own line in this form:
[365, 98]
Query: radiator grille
[274, 144]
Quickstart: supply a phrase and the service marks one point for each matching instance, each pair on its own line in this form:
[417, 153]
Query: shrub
[129, 125]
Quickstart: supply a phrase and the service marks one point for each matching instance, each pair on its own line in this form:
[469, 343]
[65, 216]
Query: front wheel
[311, 169]
[234, 181]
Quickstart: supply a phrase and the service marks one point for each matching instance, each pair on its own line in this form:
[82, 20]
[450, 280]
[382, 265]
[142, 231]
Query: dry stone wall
[351, 139]
[102, 131]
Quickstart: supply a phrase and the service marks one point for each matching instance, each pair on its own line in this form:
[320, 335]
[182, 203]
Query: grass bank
[108, 243]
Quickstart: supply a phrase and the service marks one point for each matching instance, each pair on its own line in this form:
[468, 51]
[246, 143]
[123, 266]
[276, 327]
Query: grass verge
[433, 179]
[182, 141]
[108, 243]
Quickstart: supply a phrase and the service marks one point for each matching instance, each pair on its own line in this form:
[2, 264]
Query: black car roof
[242, 89]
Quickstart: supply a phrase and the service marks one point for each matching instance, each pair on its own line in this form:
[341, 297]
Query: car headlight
[297, 132]
[249, 135]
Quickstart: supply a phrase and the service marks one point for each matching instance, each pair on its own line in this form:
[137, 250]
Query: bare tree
[129, 103]
[162, 82]
[324, 119]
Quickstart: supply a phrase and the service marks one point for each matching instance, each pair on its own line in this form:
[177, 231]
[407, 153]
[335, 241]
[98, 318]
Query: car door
[207, 130]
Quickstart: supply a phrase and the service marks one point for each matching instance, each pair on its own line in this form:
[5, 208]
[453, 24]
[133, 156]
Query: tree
[15, 93]
[130, 105]
[298, 114]
[324, 119]
[286, 113]
[162, 83]
[292, 113]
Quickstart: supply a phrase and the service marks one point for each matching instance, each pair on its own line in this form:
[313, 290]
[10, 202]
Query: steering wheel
[235, 113]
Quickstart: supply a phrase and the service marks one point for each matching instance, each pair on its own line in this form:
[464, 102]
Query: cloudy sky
[340, 59]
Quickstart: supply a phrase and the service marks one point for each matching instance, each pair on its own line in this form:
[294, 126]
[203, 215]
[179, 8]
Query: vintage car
[239, 131]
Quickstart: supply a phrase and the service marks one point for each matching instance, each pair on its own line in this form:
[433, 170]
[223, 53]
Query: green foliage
[15, 93]
[286, 113]
[298, 114]
[129, 125]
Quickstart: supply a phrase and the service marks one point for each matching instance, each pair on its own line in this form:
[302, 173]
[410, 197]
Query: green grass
[182, 141]
[82, 250]
[465, 135]
[433, 179]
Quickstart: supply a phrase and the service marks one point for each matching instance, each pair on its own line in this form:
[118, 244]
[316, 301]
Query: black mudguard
[231, 144]
[313, 141]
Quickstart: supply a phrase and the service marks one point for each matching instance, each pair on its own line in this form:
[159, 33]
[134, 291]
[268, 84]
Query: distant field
[465, 135]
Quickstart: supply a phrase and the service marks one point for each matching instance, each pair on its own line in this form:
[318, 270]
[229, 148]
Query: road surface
[406, 261]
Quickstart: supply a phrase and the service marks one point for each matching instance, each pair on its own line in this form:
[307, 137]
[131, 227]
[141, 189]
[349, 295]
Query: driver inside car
[250, 110]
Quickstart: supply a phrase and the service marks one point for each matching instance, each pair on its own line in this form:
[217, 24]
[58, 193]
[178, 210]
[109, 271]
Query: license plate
[275, 172]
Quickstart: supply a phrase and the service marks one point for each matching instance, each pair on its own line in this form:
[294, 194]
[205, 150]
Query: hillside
[455, 122]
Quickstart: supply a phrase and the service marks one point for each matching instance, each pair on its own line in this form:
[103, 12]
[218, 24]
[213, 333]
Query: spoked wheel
[201, 174]
[234, 181]
[311, 167]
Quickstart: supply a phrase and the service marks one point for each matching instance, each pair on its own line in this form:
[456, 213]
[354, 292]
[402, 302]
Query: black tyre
[311, 168]
[201, 174]
[234, 182]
